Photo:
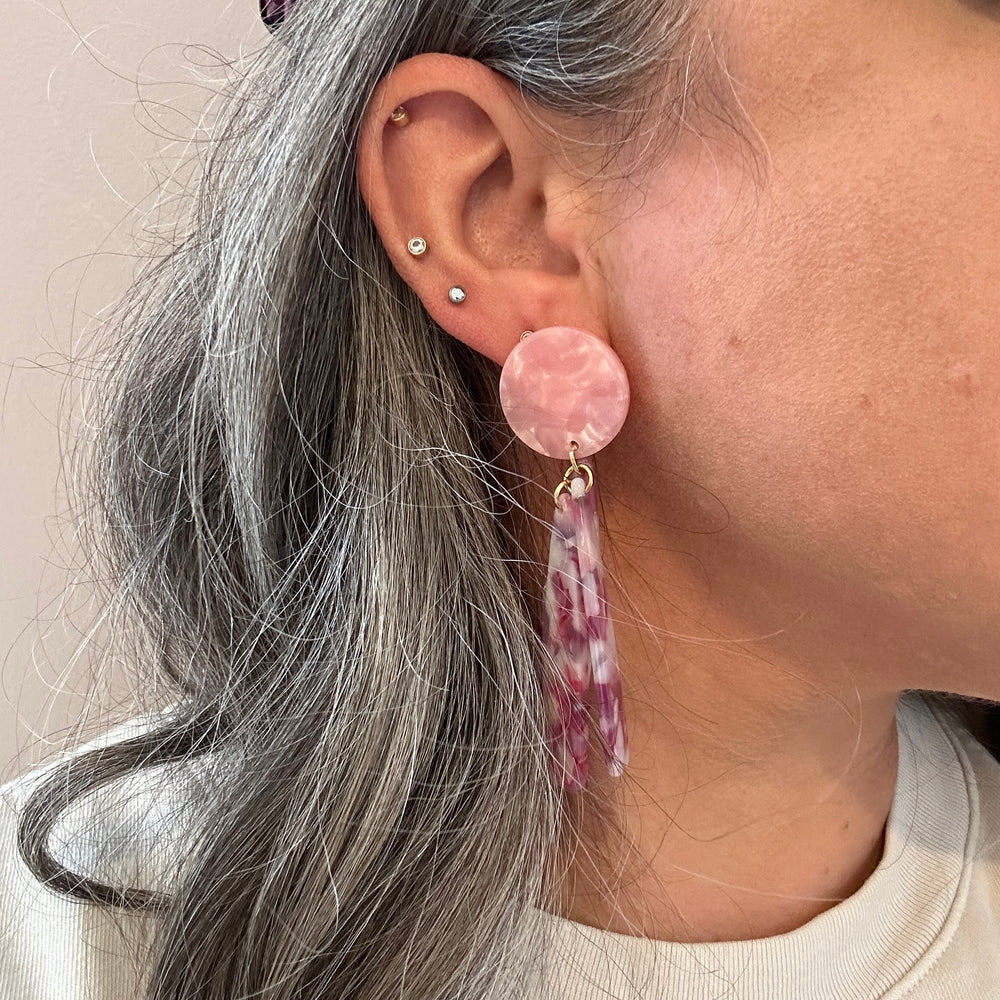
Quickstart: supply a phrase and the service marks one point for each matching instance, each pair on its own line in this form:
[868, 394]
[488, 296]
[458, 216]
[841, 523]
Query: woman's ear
[477, 174]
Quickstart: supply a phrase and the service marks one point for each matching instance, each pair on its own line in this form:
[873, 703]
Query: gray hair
[304, 498]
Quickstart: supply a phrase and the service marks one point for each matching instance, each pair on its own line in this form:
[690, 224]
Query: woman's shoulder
[55, 946]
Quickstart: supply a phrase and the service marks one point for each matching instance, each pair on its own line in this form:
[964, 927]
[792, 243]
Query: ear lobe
[479, 177]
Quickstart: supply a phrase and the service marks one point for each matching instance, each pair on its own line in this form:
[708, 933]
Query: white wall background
[93, 99]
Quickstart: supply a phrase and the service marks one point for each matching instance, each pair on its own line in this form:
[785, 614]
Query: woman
[327, 531]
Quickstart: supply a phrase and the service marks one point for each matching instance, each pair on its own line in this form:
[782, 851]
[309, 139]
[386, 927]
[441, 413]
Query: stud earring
[456, 294]
[417, 245]
[400, 116]
[565, 392]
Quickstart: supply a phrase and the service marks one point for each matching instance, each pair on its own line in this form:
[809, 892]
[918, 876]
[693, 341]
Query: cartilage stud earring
[400, 116]
[417, 245]
[456, 294]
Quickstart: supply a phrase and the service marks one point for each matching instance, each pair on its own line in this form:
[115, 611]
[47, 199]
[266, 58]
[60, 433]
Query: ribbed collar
[882, 936]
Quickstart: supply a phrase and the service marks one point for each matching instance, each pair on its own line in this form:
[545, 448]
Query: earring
[400, 116]
[565, 392]
[456, 294]
[417, 245]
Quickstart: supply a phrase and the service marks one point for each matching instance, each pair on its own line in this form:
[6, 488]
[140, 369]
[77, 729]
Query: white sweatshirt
[924, 926]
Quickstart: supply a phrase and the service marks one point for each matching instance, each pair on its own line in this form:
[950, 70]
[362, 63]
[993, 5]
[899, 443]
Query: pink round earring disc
[560, 385]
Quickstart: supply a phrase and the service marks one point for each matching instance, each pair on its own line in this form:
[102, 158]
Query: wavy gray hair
[307, 508]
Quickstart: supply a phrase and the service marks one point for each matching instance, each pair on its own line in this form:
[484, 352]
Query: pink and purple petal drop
[605, 673]
[578, 633]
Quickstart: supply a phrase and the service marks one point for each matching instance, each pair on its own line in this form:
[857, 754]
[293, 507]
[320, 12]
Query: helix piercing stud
[400, 116]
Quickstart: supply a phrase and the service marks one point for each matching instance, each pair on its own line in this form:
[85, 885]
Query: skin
[801, 516]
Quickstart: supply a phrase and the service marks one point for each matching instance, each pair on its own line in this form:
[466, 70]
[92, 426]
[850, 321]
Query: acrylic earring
[565, 394]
